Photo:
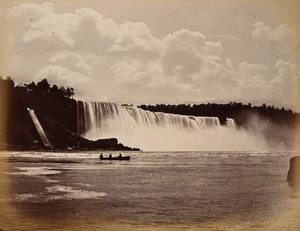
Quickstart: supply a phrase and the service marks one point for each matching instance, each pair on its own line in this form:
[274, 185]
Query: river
[152, 191]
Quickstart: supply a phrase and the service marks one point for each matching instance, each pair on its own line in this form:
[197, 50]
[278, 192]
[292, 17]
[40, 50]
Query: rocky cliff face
[293, 176]
[58, 117]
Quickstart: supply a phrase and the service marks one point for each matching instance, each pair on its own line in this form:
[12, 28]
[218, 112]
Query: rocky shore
[22, 135]
[57, 115]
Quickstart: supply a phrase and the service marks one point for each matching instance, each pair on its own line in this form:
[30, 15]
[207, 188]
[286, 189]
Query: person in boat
[120, 155]
[101, 156]
[110, 156]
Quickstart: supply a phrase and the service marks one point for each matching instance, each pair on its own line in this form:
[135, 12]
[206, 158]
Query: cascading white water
[230, 123]
[39, 128]
[157, 131]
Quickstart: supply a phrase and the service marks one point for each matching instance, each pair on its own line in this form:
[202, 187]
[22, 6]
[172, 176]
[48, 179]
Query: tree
[69, 92]
[43, 85]
[6, 85]
[10, 82]
[31, 86]
[54, 91]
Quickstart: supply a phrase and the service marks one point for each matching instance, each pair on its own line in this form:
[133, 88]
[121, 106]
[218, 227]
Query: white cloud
[49, 28]
[92, 33]
[83, 30]
[195, 63]
[99, 56]
[183, 53]
[214, 48]
[84, 17]
[247, 71]
[127, 71]
[39, 22]
[60, 75]
[275, 83]
[30, 11]
[71, 60]
[263, 31]
[253, 81]
[285, 79]
[76, 42]
[135, 38]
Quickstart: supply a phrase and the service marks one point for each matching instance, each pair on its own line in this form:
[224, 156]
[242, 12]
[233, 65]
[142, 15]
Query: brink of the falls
[157, 131]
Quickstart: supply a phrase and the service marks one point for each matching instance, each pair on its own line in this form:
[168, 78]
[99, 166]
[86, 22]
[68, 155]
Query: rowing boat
[115, 158]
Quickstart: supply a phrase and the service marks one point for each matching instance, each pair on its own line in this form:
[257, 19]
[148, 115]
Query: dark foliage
[44, 88]
[241, 113]
[276, 126]
[15, 122]
[57, 112]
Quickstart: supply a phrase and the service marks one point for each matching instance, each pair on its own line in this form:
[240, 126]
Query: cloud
[134, 38]
[276, 83]
[193, 62]
[39, 22]
[49, 28]
[182, 56]
[185, 53]
[68, 69]
[92, 33]
[76, 43]
[61, 75]
[30, 12]
[71, 60]
[128, 71]
[125, 60]
[248, 71]
[285, 80]
[83, 30]
[252, 80]
[263, 31]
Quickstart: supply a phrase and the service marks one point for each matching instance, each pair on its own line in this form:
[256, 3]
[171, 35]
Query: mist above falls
[157, 131]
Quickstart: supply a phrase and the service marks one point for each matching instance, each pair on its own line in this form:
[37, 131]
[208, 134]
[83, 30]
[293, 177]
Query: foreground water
[153, 191]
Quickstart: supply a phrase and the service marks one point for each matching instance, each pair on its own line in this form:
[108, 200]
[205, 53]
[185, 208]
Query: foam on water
[73, 193]
[51, 181]
[53, 155]
[35, 171]
[54, 193]
[25, 197]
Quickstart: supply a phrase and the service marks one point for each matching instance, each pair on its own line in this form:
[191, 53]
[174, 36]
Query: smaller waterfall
[230, 123]
[39, 128]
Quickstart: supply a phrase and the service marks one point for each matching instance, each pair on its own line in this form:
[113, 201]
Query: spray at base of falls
[157, 131]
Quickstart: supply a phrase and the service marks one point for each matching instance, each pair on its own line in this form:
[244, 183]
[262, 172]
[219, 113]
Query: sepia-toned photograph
[155, 115]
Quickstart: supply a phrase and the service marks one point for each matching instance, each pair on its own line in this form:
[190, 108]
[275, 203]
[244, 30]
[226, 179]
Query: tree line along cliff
[57, 112]
[241, 113]
[276, 125]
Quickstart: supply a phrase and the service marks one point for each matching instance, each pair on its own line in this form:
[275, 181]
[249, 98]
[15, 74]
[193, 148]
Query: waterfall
[39, 128]
[155, 131]
[230, 123]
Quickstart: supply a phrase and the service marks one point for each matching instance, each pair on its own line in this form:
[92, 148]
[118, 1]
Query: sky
[146, 52]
